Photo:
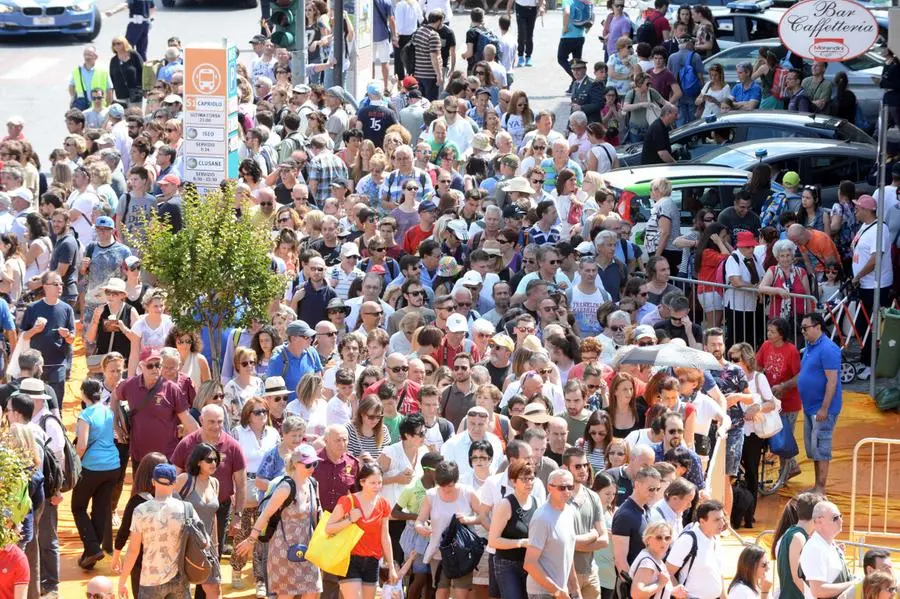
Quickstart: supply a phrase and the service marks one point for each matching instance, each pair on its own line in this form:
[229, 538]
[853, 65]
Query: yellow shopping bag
[331, 553]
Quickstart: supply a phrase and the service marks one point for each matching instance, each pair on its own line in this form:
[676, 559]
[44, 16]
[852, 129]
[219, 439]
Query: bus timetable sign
[828, 30]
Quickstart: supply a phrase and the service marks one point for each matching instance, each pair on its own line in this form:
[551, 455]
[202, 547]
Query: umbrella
[673, 355]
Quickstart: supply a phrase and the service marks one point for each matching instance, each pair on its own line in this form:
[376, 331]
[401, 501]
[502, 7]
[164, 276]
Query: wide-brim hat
[535, 413]
[520, 185]
[33, 388]
[116, 285]
[275, 386]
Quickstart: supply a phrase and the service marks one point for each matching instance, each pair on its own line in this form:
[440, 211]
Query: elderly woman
[648, 571]
[622, 66]
[784, 279]
[271, 466]
[402, 340]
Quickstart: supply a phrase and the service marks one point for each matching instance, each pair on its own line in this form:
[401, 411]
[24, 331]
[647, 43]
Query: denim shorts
[734, 447]
[817, 436]
[176, 588]
[363, 569]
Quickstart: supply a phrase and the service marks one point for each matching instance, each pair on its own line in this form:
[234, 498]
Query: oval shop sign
[828, 30]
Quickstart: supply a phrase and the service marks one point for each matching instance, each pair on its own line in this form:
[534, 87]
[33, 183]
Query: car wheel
[98, 21]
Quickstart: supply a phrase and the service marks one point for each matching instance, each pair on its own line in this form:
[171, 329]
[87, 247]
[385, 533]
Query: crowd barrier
[870, 497]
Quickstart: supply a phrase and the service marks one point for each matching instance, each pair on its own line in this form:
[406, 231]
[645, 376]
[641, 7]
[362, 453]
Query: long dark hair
[706, 242]
[598, 417]
[201, 452]
[747, 564]
[143, 478]
[760, 178]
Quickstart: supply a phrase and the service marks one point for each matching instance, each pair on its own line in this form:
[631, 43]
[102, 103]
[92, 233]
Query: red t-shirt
[414, 237]
[407, 396]
[154, 427]
[708, 267]
[370, 543]
[13, 571]
[660, 23]
[445, 354]
[780, 364]
[232, 459]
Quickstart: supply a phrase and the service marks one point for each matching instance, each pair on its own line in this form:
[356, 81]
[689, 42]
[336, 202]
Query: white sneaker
[236, 581]
[864, 374]
[260, 590]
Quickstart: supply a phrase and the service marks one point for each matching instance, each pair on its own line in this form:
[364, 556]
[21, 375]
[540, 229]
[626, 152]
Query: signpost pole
[298, 56]
[879, 236]
[338, 43]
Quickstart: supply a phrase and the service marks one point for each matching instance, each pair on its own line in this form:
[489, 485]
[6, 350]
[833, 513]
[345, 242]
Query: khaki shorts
[445, 583]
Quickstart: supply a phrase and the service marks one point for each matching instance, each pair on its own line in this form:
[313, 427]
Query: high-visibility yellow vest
[99, 80]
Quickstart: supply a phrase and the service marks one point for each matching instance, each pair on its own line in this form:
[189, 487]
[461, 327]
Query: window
[694, 146]
[829, 171]
[766, 132]
[760, 29]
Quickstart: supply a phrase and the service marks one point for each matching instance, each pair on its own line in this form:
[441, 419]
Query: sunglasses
[464, 304]
[675, 431]
[412, 188]
[374, 416]
[476, 415]
[665, 538]
[381, 249]
[616, 328]
[417, 293]
[249, 363]
[312, 465]
[259, 412]
[153, 366]
[460, 368]
[563, 487]
[396, 369]
[581, 466]
[211, 460]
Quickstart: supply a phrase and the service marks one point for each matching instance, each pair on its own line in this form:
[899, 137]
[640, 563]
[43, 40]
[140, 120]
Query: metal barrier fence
[749, 326]
[871, 517]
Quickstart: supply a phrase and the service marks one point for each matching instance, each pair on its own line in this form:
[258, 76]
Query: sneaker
[521, 62]
[236, 581]
[116, 520]
[528, 62]
[260, 590]
[864, 374]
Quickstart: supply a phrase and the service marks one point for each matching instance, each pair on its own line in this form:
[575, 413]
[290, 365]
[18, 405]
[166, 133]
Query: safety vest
[99, 80]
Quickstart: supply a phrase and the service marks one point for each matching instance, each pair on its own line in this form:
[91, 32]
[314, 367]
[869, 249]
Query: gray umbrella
[673, 355]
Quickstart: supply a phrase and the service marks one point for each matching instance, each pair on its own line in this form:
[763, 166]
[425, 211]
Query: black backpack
[461, 550]
[53, 474]
[71, 469]
[688, 563]
[647, 32]
[275, 520]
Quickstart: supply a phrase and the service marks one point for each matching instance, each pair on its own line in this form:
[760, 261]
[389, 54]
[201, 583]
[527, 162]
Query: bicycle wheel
[771, 475]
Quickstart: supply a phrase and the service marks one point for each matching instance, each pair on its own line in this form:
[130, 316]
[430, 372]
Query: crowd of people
[461, 288]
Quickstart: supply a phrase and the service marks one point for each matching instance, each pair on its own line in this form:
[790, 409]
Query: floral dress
[287, 577]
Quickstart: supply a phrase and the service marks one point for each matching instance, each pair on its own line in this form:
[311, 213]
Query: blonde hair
[655, 528]
[121, 39]
[21, 437]
[313, 221]
[100, 173]
[309, 389]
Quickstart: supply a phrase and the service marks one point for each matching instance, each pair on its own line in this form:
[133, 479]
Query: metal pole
[298, 56]
[879, 236]
[338, 42]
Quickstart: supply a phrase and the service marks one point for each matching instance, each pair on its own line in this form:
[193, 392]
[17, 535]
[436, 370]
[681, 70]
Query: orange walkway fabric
[859, 419]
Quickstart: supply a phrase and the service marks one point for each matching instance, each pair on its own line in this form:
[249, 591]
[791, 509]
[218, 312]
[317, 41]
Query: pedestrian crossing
[37, 67]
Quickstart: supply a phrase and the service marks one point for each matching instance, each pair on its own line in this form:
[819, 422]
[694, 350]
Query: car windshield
[846, 131]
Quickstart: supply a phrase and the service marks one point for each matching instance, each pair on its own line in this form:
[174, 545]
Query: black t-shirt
[374, 121]
[12, 387]
[624, 486]
[678, 332]
[498, 375]
[283, 194]
[448, 40]
[657, 139]
[630, 521]
[734, 223]
[65, 251]
[331, 255]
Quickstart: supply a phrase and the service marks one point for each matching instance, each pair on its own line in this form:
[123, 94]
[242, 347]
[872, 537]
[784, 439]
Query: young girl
[395, 591]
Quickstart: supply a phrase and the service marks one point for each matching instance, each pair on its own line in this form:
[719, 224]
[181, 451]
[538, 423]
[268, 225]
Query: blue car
[80, 18]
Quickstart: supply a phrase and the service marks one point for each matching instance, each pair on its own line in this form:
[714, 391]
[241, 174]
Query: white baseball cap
[457, 324]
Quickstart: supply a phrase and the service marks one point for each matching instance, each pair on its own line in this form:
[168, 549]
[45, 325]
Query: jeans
[867, 297]
[429, 87]
[177, 588]
[95, 487]
[138, 35]
[526, 17]
[60, 389]
[33, 553]
[510, 578]
[48, 541]
[569, 47]
[686, 110]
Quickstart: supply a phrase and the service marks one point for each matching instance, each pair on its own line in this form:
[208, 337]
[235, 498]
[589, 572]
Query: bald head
[560, 477]
[100, 585]
[798, 234]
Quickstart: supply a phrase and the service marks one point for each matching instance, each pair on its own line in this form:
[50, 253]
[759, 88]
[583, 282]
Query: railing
[754, 322]
[874, 509]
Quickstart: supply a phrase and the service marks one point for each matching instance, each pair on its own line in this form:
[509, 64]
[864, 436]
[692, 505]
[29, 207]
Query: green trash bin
[889, 350]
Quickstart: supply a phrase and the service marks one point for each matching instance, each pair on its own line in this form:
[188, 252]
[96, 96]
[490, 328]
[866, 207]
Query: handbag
[783, 444]
[94, 363]
[331, 553]
[297, 551]
[766, 424]
[12, 367]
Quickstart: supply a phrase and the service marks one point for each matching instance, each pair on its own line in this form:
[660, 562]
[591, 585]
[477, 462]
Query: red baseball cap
[149, 353]
[172, 179]
[409, 82]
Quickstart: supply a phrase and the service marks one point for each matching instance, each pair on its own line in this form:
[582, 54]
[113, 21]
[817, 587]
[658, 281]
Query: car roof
[765, 117]
[776, 148]
[773, 13]
[623, 178]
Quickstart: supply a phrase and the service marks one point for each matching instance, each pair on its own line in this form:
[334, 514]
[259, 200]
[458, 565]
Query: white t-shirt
[639, 437]
[741, 301]
[605, 153]
[820, 560]
[865, 243]
[399, 463]
[704, 581]
[890, 197]
[338, 411]
[710, 109]
[254, 448]
[742, 591]
[315, 417]
[153, 337]
[707, 410]
[762, 391]
[328, 379]
[551, 391]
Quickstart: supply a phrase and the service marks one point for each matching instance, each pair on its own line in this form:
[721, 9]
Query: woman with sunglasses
[508, 534]
[210, 392]
[401, 464]
[310, 405]
[406, 213]
[135, 288]
[367, 433]
[605, 488]
[190, 348]
[751, 580]
[200, 488]
[125, 71]
[289, 579]
[596, 438]
[649, 575]
[256, 438]
[245, 384]
[110, 324]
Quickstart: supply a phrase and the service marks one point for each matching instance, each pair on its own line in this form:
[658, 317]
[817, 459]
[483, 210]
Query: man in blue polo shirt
[820, 394]
[295, 357]
[315, 293]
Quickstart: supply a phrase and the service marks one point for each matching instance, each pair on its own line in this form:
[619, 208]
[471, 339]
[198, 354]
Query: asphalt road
[34, 72]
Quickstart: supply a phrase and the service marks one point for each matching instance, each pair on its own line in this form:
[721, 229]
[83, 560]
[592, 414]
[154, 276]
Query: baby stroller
[842, 310]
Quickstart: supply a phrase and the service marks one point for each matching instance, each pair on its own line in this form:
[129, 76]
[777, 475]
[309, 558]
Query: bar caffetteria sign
[828, 30]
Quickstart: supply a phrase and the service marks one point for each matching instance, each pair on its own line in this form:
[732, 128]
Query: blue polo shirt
[742, 95]
[308, 361]
[818, 357]
[312, 308]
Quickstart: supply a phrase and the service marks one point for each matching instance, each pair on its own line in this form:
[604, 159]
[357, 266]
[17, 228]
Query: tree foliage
[216, 271]
[15, 476]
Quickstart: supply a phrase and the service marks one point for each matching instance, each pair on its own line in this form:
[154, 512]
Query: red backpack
[720, 275]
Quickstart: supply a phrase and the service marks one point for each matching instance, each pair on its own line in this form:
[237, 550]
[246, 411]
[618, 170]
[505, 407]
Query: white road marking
[30, 68]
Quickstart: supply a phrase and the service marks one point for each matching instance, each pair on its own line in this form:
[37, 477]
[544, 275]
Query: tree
[217, 270]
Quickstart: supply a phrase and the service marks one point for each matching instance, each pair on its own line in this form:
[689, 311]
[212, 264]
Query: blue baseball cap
[164, 474]
[104, 222]
[427, 206]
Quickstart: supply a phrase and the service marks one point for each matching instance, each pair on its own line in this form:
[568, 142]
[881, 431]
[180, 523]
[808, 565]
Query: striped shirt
[340, 280]
[426, 42]
[357, 444]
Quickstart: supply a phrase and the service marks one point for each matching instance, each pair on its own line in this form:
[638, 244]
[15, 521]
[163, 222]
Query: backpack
[720, 274]
[483, 38]
[461, 549]
[687, 77]
[689, 559]
[275, 520]
[289, 145]
[71, 470]
[53, 472]
[581, 13]
[197, 555]
[647, 32]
